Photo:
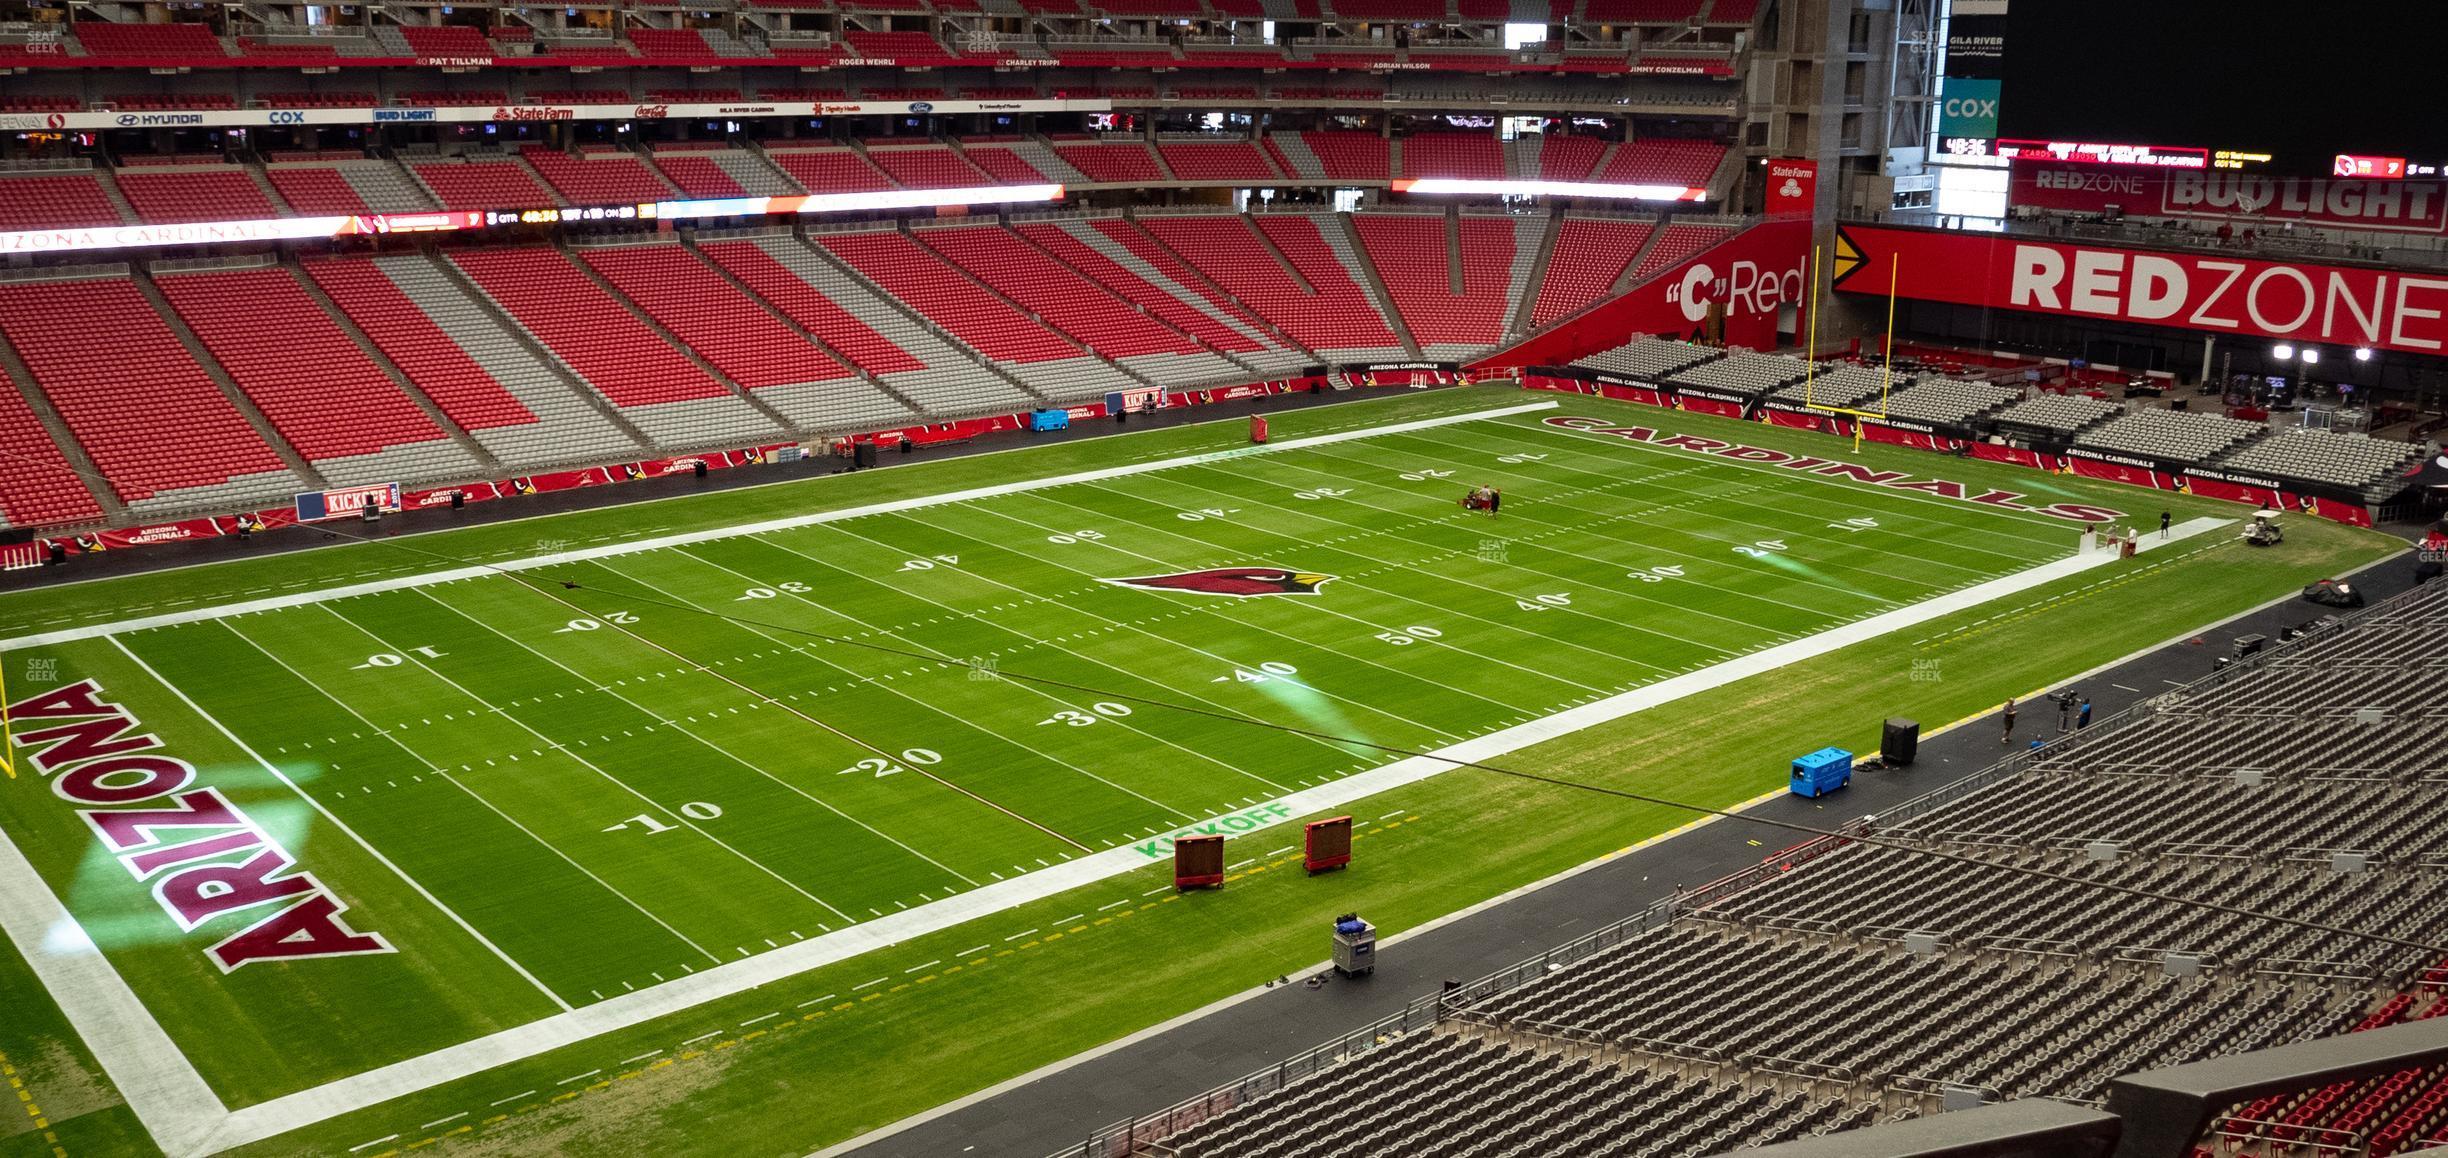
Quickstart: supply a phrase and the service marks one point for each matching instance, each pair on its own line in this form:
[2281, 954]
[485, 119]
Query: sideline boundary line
[608, 550]
[372, 1087]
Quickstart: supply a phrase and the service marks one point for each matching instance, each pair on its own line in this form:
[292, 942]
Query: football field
[342, 827]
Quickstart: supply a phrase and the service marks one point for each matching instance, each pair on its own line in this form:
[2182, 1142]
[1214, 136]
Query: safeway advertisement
[2294, 301]
[2342, 203]
[1755, 274]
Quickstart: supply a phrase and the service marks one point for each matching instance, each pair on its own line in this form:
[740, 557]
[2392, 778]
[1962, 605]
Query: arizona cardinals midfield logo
[1238, 582]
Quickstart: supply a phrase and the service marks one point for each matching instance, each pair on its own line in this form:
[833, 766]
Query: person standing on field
[2008, 738]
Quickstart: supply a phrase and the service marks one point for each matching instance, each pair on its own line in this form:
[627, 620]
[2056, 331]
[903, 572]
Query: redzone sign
[200, 857]
[2231, 295]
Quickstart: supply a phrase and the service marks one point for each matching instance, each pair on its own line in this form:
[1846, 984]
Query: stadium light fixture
[2311, 356]
[2282, 351]
[1597, 190]
[2362, 353]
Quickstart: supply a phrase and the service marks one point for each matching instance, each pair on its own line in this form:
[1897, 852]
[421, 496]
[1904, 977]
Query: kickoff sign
[2213, 293]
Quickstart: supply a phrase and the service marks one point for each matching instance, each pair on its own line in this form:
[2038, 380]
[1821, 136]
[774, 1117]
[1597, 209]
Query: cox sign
[1968, 108]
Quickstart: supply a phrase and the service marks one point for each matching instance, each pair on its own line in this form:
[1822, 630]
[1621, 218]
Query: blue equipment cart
[1822, 772]
[1049, 419]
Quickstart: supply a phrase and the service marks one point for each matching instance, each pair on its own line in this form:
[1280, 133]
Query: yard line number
[881, 767]
[387, 659]
[621, 618]
[694, 810]
[1078, 719]
[1258, 675]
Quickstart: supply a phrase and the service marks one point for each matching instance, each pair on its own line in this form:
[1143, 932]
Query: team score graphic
[1269, 670]
[1762, 549]
[794, 588]
[1425, 475]
[1076, 537]
[1101, 710]
[1656, 574]
[1321, 493]
[694, 810]
[1409, 635]
[1857, 523]
[616, 618]
[1544, 602]
[1204, 513]
[1518, 459]
[930, 564]
[387, 659]
[921, 757]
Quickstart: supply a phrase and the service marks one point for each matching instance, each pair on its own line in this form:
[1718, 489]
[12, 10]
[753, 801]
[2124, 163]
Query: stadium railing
[1135, 1135]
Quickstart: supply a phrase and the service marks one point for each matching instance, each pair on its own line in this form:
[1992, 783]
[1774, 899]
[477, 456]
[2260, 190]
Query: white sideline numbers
[386, 659]
[1409, 635]
[1761, 549]
[1080, 719]
[770, 592]
[1860, 523]
[1543, 602]
[1322, 493]
[1656, 574]
[1076, 537]
[1264, 672]
[929, 564]
[694, 810]
[1425, 475]
[883, 768]
[1206, 513]
[621, 618]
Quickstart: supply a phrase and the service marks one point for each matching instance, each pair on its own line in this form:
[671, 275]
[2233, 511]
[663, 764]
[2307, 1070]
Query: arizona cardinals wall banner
[1238, 582]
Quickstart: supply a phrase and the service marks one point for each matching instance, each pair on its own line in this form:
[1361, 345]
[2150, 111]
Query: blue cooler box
[1822, 772]
[1049, 420]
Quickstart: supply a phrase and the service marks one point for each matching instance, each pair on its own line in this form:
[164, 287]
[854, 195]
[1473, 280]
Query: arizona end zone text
[1899, 480]
[201, 858]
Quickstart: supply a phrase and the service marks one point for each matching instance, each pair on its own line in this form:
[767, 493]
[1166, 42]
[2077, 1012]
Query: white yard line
[342, 825]
[291, 1111]
[633, 546]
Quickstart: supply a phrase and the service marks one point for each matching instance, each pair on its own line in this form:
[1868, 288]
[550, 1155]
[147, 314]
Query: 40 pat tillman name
[1834, 468]
[200, 857]
[1245, 821]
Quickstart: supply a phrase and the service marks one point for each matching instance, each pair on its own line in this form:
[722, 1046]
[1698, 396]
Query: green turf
[505, 767]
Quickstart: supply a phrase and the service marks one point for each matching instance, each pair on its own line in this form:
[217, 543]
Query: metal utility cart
[1355, 946]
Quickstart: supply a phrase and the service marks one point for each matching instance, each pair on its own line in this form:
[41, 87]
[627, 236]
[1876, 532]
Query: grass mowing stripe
[1906, 502]
[671, 816]
[447, 777]
[1782, 532]
[1085, 812]
[976, 619]
[862, 857]
[1960, 520]
[1381, 564]
[1156, 651]
[957, 830]
[1296, 642]
[1608, 589]
[1386, 627]
[336, 822]
[1683, 508]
